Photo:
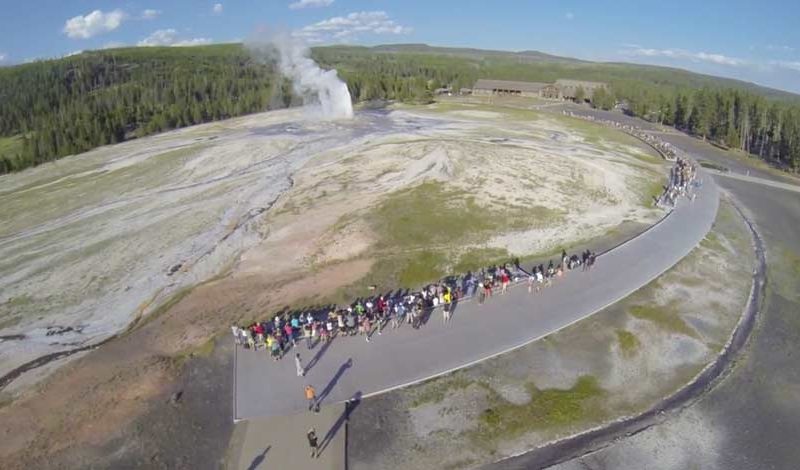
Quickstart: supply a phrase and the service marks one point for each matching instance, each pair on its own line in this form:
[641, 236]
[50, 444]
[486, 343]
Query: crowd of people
[374, 315]
[682, 178]
[668, 150]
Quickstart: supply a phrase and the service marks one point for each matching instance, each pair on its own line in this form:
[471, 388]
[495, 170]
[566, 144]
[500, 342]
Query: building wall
[552, 91]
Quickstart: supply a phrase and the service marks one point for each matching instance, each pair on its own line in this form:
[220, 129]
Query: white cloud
[786, 64]
[344, 28]
[718, 59]
[150, 14]
[73, 53]
[310, 4]
[782, 48]
[169, 37]
[217, 8]
[3, 56]
[96, 22]
[569, 15]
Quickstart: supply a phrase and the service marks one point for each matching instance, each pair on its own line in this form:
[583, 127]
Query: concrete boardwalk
[349, 366]
[280, 442]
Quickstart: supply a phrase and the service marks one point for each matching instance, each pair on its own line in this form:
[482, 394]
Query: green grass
[628, 343]
[648, 190]
[204, 350]
[784, 267]
[422, 267]
[665, 316]
[478, 258]
[439, 388]
[421, 233]
[10, 147]
[547, 408]
[427, 215]
[518, 114]
[712, 242]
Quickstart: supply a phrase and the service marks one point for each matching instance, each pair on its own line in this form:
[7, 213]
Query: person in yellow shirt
[447, 300]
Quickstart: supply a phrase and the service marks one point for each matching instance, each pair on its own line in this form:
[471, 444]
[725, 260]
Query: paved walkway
[280, 442]
[757, 180]
[349, 367]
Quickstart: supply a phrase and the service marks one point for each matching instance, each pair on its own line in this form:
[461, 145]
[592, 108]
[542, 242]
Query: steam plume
[322, 90]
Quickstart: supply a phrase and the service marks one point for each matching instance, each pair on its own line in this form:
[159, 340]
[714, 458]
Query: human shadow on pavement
[259, 458]
[320, 352]
[328, 388]
[453, 306]
[349, 406]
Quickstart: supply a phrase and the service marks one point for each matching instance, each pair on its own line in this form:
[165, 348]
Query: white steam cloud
[322, 90]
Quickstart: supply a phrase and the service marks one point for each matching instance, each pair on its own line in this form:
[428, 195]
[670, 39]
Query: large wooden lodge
[562, 89]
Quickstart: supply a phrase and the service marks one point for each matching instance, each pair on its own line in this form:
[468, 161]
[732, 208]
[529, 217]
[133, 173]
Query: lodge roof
[533, 87]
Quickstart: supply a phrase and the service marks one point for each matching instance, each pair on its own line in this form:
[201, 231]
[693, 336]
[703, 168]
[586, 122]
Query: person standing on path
[298, 363]
[447, 297]
[312, 442]
[311, 396]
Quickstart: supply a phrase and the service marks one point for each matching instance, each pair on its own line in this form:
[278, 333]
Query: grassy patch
[547, 408]
[422, 267]
[11, 147]
[437, 389]
[628, 343]
[478, 258]
[665, 316]
[204, 350]
[5, 399]
[167, 305]
[428, 215]
[421, 232]
[519, 114]
[711, 242]
[784, 269]
[650, 190]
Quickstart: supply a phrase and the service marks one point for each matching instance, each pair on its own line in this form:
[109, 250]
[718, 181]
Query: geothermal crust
[96, 241]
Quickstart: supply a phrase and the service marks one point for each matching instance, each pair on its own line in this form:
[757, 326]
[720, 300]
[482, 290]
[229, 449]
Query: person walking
[298, 363]
[311, 396]
[312, 442]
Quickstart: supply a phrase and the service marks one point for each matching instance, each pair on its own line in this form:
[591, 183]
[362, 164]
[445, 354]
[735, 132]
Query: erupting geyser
[322, 90]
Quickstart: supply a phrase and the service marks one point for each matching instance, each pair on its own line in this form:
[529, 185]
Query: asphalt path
[350, 366]
[753, 179]
[750, 419]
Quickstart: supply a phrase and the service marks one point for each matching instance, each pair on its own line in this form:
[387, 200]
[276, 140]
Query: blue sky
[749, 40]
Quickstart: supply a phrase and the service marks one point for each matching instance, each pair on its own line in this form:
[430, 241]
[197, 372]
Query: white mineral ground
[92, 242]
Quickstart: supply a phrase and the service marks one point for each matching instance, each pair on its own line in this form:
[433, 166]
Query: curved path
[352, 367]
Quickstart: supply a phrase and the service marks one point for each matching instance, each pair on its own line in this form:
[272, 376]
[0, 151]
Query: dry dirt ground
[114, 406]
[619, 362]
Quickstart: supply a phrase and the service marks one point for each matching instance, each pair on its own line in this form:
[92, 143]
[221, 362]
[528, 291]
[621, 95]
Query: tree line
[730, 118]
[62, 107]
[70, 105]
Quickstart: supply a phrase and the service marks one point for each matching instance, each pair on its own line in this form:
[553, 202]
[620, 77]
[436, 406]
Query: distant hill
[472, 53]
[597, 70]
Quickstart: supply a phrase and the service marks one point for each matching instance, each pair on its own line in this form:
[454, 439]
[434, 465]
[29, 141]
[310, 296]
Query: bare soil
[106, 397]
